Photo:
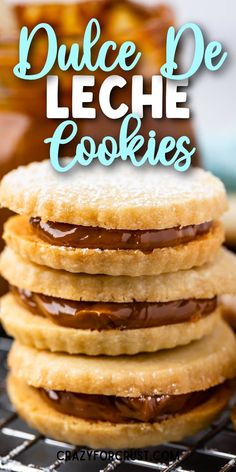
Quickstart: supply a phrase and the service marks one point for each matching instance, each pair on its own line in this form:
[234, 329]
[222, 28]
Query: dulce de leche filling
[63, 234]
[109, 315]
[125, 409]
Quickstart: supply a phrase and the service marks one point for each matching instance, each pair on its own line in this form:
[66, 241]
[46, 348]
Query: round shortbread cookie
[102, 434]
[20, 236]
[229, 220]
[228, 304]
[215, 278]
[127, 198]
[42, 333]
[197, 366]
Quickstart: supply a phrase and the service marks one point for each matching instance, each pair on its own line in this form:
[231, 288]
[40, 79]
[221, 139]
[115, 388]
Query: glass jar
[120, 20]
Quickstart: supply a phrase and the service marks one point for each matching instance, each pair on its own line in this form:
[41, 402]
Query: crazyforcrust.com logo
[156, 455]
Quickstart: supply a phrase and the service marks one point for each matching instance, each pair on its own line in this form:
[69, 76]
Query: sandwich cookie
[130, 401]
[229, 220]
[133, 221]
[82, 313]
[228, 307]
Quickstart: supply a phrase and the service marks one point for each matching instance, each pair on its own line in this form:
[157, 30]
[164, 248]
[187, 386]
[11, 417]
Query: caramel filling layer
[108, 315]
[63, 234]
[125, 409]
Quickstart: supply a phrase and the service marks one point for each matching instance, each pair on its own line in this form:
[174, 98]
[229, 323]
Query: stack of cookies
[229, 220]
[114, 281]
[229, 301]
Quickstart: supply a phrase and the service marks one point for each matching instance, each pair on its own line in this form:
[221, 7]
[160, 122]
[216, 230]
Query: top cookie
[123, 197]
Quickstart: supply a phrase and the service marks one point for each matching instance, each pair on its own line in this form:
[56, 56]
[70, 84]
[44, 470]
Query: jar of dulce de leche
[120, 20]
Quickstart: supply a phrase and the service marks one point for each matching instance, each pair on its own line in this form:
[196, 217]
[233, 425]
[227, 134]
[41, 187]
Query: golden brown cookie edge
[207, 281]
[197, 366]
[42, 333]
[20, 236]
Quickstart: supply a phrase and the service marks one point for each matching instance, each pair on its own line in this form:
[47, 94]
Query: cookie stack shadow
[114, 279]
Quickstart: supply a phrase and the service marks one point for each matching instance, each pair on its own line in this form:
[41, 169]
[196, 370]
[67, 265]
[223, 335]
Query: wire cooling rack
[24, 450]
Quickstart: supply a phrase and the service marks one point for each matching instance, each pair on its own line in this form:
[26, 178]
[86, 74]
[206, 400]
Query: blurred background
[212, 96]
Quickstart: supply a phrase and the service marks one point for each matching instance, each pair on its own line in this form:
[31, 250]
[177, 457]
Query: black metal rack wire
[24, 450]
